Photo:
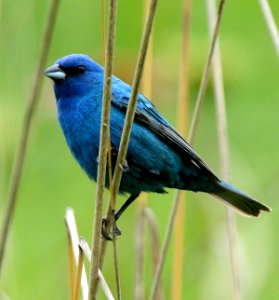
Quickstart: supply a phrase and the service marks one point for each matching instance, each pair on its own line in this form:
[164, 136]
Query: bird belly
[81, 132]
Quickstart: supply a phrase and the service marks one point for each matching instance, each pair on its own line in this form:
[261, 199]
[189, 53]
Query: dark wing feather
[149, 117]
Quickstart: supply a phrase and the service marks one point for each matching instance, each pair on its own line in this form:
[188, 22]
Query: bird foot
[106, 233]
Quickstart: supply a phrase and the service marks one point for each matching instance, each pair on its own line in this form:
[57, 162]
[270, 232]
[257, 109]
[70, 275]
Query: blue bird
[157, 158]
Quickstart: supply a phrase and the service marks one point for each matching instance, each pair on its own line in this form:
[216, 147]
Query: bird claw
[106, 233]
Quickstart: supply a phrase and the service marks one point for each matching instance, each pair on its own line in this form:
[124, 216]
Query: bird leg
[105, 230]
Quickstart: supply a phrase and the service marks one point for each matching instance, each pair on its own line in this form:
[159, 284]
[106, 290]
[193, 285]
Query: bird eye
[80, 69]
[73, 71]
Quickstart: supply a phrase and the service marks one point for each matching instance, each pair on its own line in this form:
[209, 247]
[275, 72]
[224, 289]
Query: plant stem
[164, 249]
[224, 148]
[71, 266]
[270, 23]
[139, 248]
[79, 273]
[155, 245]
[202, 89]
[83, 244]
[194, 124]
[26, 127]
[125, 138]
[183, 116]
[128, 121]
[142, 201]
[74, 238]
[103, 150]
[116, 268]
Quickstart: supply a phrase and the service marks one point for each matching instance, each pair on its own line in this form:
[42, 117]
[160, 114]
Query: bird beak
[55, 72]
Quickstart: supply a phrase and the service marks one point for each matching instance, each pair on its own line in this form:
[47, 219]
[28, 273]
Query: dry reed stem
[78, 273]
[224, 148]
[85, 247]
[139, 241]
[205, 75]
[104, 62]
[194, 124]
[129, 120]
[155, 245]
[74, 238]
[183, 112]
[103, 31]
[159, 268]
[141, 203]
[131, 111]
[148, 66]
[26, 127]
[270, 23]
[71, 266]
[153, 229]
[178, 249]
[1, 11]
[116, 266]
[103, 150]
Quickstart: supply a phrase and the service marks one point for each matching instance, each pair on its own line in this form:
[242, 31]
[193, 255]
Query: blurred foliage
[36, 261]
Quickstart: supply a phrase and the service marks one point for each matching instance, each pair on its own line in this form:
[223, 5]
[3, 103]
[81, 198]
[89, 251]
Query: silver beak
[54, 72]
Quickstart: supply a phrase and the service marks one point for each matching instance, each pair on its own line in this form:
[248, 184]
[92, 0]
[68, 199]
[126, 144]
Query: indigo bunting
[157, 158]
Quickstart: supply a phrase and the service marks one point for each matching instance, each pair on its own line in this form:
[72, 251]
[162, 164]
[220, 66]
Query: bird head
[73, 75]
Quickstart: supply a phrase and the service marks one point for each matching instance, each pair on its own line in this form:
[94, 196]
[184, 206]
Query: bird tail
[242, 202]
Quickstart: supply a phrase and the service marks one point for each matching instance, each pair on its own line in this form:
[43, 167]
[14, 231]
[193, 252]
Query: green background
[36, 259]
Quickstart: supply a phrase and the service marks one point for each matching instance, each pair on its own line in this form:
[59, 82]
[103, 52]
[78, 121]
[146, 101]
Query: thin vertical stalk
[141, 203]
[224, 148]
[155, 246]
[194, 124]
[103, 149]
[125, 138]
[83, 244]
[1, 10]
[129, 120]
[116, 268]
[270, 23]
[26, 127]
[154, 234]
[183, 112]
[103, 31]
[79, 273]
[148, 66]
[104, 62]
[159, 269]
[71, 266]
[205, 75]
[139, 243]
[73, 234]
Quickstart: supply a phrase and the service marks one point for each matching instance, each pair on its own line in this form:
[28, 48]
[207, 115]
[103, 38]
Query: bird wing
[147, 115]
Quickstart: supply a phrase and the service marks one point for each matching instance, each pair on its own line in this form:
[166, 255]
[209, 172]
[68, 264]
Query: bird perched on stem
[157, 158]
